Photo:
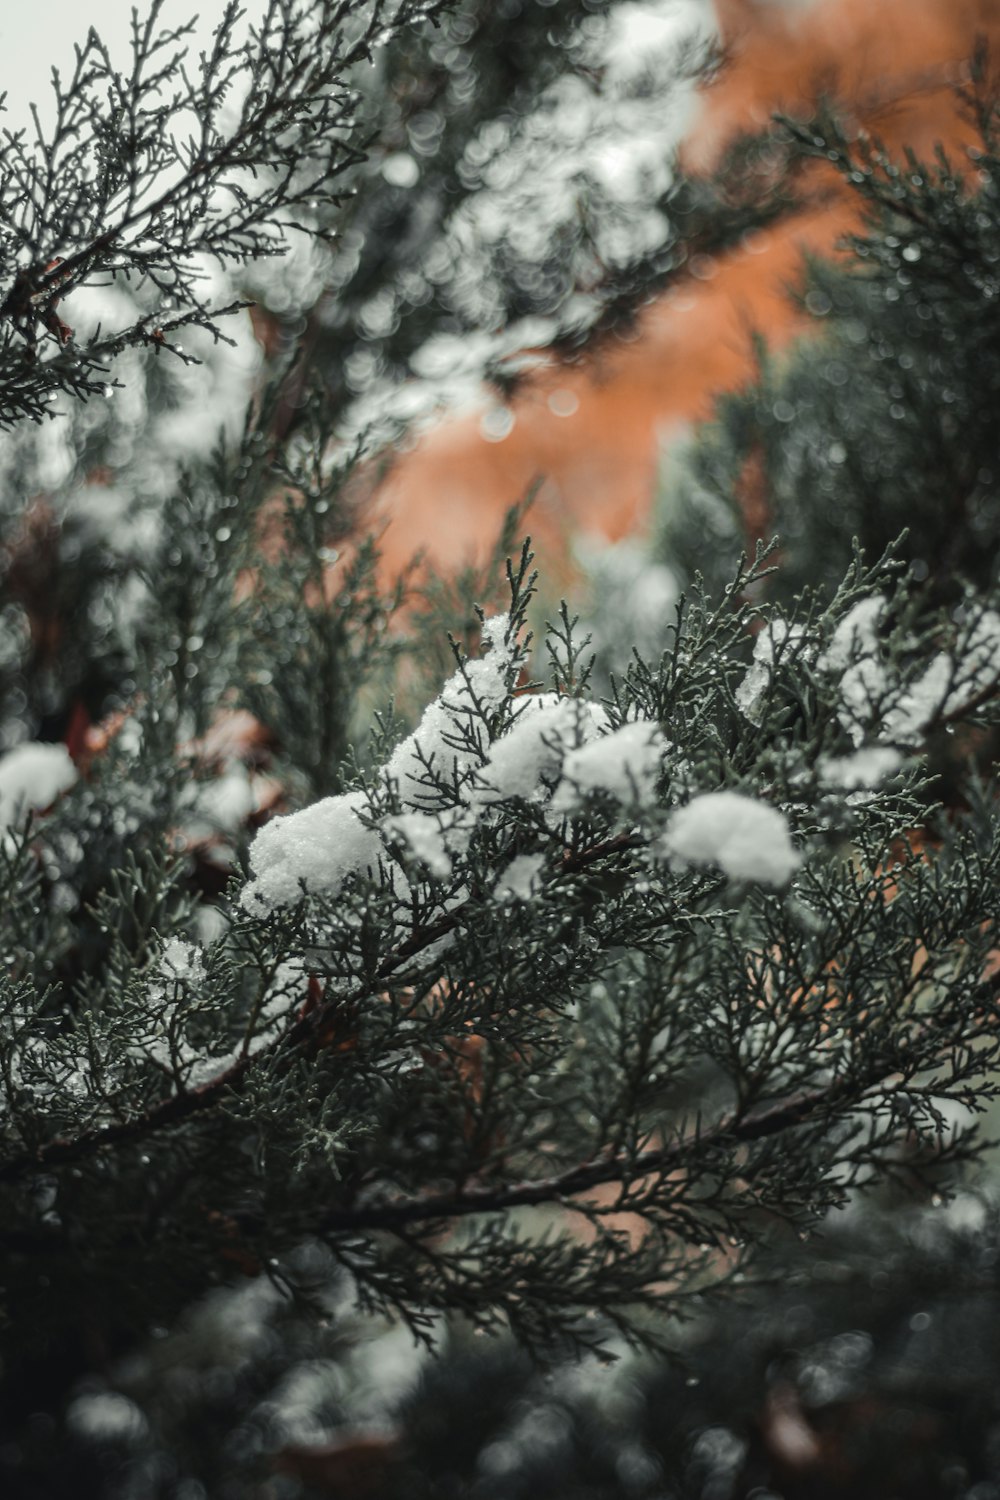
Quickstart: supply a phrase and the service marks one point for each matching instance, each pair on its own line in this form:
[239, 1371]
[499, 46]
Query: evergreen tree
[882, 423]
[554, 1014]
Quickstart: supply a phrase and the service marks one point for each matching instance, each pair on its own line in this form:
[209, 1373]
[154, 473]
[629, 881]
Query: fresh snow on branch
[900, 711]
[315, 849]
[624, 764]
[746, 839]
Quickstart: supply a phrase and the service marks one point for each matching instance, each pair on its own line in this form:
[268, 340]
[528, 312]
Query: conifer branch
[183, 1105]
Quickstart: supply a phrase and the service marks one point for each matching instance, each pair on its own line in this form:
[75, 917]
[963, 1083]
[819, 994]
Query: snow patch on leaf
[855, 653]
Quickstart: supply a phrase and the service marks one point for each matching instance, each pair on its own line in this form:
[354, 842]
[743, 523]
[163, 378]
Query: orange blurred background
[593, 431]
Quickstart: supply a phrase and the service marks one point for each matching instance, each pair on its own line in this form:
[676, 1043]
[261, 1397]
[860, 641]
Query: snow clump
[33, 776]
[946, 685]
[428, 837]
[447, 777]
[919, 703]
[316, 849]
[624, 763]
[527, 761]
[180, 962]
[449, 740]
[747, 839]
[866, 768]
[320, 847]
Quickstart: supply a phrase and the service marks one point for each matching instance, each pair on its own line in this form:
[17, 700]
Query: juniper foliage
[393, 1061]
[114, 191]
[545, 1018]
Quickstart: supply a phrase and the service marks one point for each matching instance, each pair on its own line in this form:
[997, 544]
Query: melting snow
[771, 643]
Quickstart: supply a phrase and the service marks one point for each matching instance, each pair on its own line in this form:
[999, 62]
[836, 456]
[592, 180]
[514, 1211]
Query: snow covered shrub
[542, 1008]
[553, 1009]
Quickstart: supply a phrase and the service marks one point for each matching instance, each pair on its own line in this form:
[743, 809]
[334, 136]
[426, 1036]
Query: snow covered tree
[550, 1011]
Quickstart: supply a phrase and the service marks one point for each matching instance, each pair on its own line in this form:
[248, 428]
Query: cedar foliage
[531, 1063]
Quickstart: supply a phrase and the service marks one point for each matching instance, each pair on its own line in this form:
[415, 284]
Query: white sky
[35, 36]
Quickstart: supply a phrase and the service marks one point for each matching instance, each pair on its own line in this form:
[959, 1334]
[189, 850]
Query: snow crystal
[450, 738]
[865, 768]
[316, 849]
[180, 962]
[855, 653]
[746, 839]
[624, 763]
[521, 879]
[33, 776]
[771, 643]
